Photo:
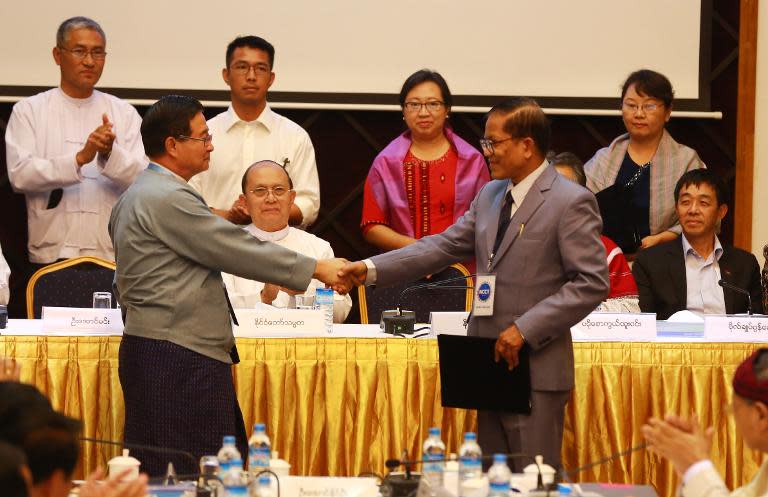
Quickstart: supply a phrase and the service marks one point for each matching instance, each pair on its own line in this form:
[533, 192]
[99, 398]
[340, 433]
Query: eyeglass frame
[82, 53]
[411, 106]
[269, 190]
[646, 107]
[259, 68]
[205, 140]
[488, 144]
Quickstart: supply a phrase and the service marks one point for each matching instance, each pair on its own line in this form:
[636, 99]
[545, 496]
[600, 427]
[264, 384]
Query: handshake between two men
[340, 274]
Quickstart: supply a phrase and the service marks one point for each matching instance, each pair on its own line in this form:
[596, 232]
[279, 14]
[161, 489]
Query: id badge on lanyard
[485, 291]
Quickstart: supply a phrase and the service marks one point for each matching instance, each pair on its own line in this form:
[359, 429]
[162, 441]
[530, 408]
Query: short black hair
[244, 181]
[12, 460]
[251, 42]
[525, 119]
[651, 84]
[697, 177]
[423, 76]
[169, 116]
[569, 160]
[48, 438]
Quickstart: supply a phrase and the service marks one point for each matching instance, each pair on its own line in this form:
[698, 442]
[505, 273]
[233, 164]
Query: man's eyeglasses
[82, 53]
[205, 140]
[633, 107]
[433, 106]
[488, 144]
[263, 191]
[243, 68]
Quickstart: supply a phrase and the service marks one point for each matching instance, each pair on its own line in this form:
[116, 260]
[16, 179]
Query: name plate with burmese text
[736, 328]
[308, 486]
[616, 326]
[256, 323]
[75, 320]
[449, 323]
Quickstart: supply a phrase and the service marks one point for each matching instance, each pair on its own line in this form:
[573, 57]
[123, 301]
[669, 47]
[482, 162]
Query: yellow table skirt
[341, 406]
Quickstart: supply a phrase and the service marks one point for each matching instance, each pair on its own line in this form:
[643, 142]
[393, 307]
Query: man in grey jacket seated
[177, 347]
[687, 446]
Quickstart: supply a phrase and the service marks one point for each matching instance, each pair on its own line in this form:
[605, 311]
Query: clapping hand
[114, 486]
[682, 441]
[99, 141]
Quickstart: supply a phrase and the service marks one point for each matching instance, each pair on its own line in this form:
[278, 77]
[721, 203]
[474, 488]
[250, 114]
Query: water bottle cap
[434, 431]
[229, 440]
[264, 480]
[470, 435]
[563, 489]
[259, 427]
[502, 458]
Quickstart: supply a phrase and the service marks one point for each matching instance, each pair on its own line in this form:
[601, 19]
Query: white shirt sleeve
[5, 273]
[303, 171]
[127, 159]
[27, 170]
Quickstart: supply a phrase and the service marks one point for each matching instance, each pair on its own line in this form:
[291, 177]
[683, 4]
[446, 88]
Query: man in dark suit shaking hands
[537, 235]
[684, 273]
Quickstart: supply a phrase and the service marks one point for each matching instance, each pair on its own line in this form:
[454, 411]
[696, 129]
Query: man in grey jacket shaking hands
[177, 346]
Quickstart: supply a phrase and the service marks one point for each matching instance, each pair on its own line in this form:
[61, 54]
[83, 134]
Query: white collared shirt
[520, 190]
[704, 294]
[237, 144]
[44, 134]
[5, 274]
[245, 293]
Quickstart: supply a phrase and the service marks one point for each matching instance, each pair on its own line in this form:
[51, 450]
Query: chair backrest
[69, 283]
[765, 279]
[375, 300]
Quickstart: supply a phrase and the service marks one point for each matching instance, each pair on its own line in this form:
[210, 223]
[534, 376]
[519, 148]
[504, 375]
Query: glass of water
[102, 300]
[305, 301]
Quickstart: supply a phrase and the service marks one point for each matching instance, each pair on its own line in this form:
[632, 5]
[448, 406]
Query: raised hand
[114, 486]
[356, 272]
[100, 141]
[682, 448]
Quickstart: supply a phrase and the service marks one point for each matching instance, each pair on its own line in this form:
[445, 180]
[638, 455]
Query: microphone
[404, 323]
[734, 288]
[150, 448]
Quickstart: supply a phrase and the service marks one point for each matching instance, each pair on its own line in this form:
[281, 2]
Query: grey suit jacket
[170, 251]
[549, 274]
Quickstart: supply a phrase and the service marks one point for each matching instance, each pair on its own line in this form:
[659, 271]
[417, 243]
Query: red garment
[622, 282]
[430, 190]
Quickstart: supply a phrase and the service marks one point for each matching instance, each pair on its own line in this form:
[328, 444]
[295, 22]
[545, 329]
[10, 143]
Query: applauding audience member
[648, 160]
[684, 273]
[250, 131]
[268, 195]
[687, 446]
[426, 178]
[622, 296]
[72, 151]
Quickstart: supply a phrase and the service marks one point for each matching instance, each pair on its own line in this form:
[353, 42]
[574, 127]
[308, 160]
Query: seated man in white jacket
[687, 446]
[268, 193]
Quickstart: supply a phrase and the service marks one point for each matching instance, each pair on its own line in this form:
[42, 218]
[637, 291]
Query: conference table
[342, 404]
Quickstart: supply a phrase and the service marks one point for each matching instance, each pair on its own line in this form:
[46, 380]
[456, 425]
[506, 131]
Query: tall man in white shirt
[268, 195]
[249, 131]
[72, 151]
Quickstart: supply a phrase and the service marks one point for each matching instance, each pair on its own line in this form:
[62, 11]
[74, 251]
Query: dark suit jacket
[550, 268]
[660, 276]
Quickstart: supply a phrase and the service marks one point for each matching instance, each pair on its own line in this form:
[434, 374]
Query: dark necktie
[505, 216]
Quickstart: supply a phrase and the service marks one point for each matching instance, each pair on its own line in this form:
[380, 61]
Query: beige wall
[760, 187]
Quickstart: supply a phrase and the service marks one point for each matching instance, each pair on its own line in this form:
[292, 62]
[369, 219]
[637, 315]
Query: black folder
[471, 379]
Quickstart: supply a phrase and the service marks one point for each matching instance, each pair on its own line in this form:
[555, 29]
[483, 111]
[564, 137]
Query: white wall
[760, 185]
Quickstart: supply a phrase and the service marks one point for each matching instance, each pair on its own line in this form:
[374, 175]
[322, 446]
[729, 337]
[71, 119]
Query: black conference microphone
[151, 448]
[616, 455]
[404, 323]
[734, 288]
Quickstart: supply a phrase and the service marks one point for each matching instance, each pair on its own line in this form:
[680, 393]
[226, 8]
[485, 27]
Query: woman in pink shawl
[426, 178]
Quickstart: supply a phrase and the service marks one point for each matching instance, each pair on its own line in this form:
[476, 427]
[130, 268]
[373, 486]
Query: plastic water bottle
[324, 302]
[259, 449]
[470, 461]
[263, 486]
[499, 477]
[227, 454]
[433, 464]
[235, 485]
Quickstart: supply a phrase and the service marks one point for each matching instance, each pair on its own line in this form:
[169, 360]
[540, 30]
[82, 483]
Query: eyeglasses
[205, 140]
[487, 144]
[263, 191]
[82, 53]
[633, 107]
[432, 106]
[243, 69]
